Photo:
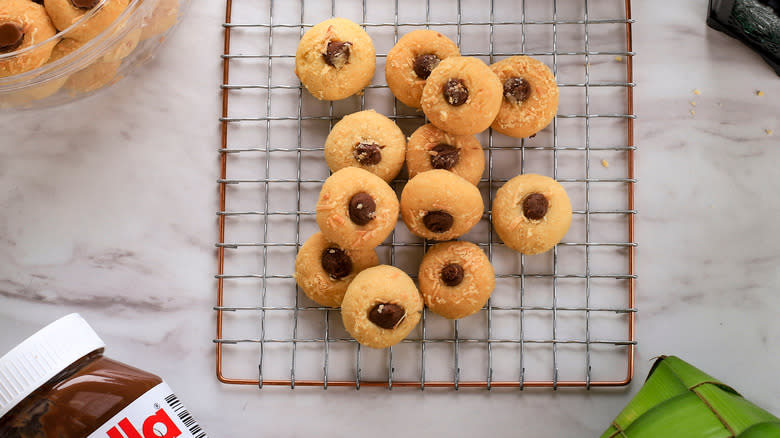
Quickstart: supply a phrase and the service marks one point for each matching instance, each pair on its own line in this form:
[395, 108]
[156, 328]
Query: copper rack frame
[630, 343]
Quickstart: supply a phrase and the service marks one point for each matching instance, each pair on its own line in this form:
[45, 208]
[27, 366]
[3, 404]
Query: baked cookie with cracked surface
[367, 140]
[440, 205]
[24, 24]
[356, 209]
[531, 213]
[65, 13]
[530, 99]
[381, 306]
[462, 96]
[411, 60]
[456, 279]
[431, 148]
[335, 59]
[323, 270]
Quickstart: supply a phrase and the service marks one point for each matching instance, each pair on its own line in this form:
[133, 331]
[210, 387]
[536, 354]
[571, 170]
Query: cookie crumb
[769, 131]
[693, 103]
[619, 58]
[605, 163]
[696, 91]
[693, 112]
[720, 104]
[759, 93]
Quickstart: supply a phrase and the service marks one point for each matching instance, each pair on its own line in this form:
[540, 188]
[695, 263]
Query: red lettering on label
[160, 417]
[113, 433]
[128, 429]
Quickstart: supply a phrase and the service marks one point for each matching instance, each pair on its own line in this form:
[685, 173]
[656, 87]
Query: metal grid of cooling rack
[563, 319]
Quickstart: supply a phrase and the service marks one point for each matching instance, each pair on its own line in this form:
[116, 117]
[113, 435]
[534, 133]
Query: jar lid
[42, 356]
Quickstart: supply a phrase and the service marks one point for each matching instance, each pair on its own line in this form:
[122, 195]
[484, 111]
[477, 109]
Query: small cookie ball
[335, 59]
[23, 24]
[531, 213]
[462, 96]
[411, 60]
[431, 148]
[93, 77]
[368, 140]
[356, 209]
[64, 13]
[530, 99]
[456, 279]
[440, 205]
[381, 306]
[323, 270]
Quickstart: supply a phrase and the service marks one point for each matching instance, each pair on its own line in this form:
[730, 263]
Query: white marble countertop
[110, 212]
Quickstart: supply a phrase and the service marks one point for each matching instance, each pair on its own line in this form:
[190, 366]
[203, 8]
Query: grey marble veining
[109, 212]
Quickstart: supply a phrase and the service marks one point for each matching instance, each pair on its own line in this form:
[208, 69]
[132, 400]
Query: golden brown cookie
[381, 306]
[164, 16]
[462, 96]
[335, 59]
[356, 209]
[323, 270]
[368, 140]
[65, 13]
[93, 77]
[440, 205]
[411, 60]
[531, 213]
[23, 24]
[431, 148]
[456, 279]
[530, 96]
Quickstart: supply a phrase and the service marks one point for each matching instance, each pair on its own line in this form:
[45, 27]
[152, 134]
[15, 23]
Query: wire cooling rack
[560, 319]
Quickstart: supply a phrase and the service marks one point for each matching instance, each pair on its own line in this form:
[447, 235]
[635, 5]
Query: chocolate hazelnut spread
[93, 396]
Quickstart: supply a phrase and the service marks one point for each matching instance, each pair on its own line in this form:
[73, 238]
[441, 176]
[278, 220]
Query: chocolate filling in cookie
[362, 208]
[11, 37]
[438, 221]
[386, 315]
[455, 92]
[424, 65]
[444, 156]
[84, 4]
[337, 53]
[452, 274]
[516, 90]
[368, 154]
[535, 206]
[336, 263]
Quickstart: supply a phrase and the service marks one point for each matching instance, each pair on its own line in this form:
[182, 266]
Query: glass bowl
[76, 70]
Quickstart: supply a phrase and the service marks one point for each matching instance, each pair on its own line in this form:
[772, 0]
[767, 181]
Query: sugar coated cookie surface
[65, 13]
[356, 209]
[531, 213]
[462, 96]
[24, 24]
[381, 306]
[431, 148]
[456, 279]
[411, 60]
[440, 205]
[335, 59]
[323, 270]
[530, 96]
[368, 140]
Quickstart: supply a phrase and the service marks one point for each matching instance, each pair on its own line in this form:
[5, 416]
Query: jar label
[156, 414]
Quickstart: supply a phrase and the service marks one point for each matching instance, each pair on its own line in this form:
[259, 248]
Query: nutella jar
[57, 383]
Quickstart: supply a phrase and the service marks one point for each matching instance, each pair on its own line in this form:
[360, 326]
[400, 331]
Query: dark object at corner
[754, 22]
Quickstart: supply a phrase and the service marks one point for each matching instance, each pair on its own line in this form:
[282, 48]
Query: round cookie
[411, 60]
[161, 19]
[368, 140]
[531, 213]
[456, 279]
[461, 96]
[65, 13]
[530, 99]
[335, 59]
[431, 148]
[323, 270]
[440, 205]
[356, 209]
[381, 306]
[24, 24]
[93, 77]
